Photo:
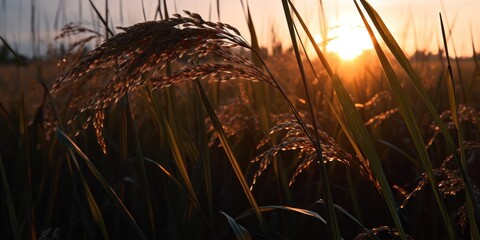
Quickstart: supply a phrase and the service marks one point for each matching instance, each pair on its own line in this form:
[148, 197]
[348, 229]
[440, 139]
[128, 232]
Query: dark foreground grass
[182, 129]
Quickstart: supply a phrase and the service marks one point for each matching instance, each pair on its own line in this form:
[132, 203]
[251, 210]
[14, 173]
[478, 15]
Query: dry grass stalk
[138, 57]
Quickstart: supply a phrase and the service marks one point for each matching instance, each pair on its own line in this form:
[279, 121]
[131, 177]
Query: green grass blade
[95, 210]
[67, 142]
[138, 149]
[260, 92]
[471, 208]
[240, 232]
[346, 213]
[451, 96]
[202, 143]
[411, 123]
[327, 67]
[357, 126]
[413, 76]
[356, 131]
[231, 156]
[334, 229]
[262, 101]
[174, 147]
[12, 216]
[25, 134]
[92, 203]
[175, 180]
[449, 78]
[403, 153]
[415, 80]
[286, 208]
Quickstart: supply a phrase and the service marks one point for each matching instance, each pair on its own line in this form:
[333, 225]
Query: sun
[348, 41]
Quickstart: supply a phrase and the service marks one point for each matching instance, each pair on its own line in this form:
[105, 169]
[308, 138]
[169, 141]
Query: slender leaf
[231, 156]
[287, 208]
[471, 208]
[415, 80]
[360, 133]
[365, 142]
[327, 67]
[92, 203]
[345, 212]
[67, 142]
[412, 126]
[174, 147]
[240, 232]
[12, 216]
[138, 150]
[334, 228]
[108, 31]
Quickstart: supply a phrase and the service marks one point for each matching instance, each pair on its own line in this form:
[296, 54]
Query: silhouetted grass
[182, 129]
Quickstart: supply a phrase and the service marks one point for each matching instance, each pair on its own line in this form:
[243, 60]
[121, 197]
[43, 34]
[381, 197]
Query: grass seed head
[139, 56]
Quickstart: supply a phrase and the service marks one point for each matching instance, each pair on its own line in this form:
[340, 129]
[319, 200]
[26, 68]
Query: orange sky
[415, 24]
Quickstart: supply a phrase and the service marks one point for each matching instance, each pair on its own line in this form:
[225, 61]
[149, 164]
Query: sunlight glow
[348, 41]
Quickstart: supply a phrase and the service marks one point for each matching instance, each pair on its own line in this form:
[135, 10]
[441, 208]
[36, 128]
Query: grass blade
[287, 208]
[411, 123]
[138, 149]
[346, 213]
[471, 208]
[67, 142]
[335, 111]
[109, 32]
[240, 232]
[174, 147]
[175, 180]
[174, 142]
[261, 94]
[449, 75]
[413, 76]
[12, 216]
[92, 203]
[262, 101]
[231, 156]
[415, 80]
[356, 125]
[25, 133]
[359, 132]
[334, 229]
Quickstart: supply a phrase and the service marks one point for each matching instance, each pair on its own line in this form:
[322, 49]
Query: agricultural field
[182, 128]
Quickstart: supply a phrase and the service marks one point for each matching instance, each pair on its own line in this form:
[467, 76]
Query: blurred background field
[131, 147]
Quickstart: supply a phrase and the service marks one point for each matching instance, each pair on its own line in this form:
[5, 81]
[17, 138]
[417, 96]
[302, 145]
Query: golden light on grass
[195, 122]
[348, 41]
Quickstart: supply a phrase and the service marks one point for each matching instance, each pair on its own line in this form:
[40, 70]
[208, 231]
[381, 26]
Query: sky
[414, 23]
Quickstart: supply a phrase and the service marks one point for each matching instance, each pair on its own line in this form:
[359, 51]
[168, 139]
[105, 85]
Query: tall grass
[182, 129]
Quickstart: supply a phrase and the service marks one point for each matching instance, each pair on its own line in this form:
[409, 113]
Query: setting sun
[348, 41]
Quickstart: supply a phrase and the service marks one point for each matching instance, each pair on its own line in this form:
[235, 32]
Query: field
[183, 129]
